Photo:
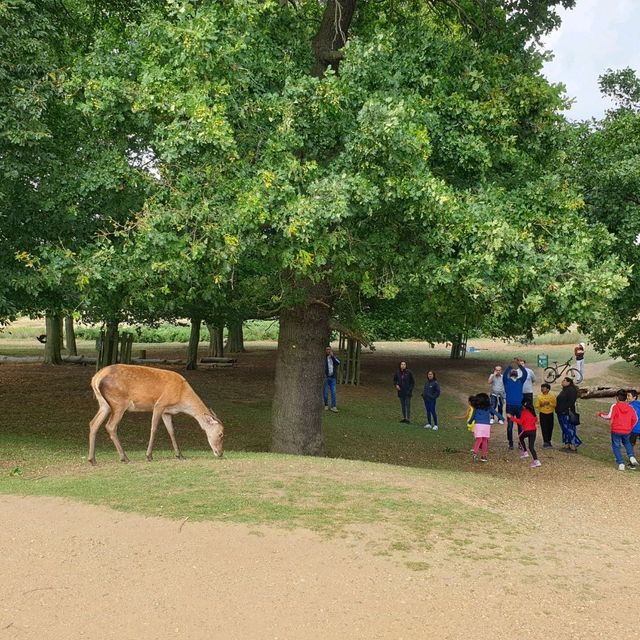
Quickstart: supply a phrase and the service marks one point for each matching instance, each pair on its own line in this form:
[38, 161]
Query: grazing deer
[124, 387]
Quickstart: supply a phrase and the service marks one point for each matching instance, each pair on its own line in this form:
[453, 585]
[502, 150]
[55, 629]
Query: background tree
[607, 165]
[62, 180]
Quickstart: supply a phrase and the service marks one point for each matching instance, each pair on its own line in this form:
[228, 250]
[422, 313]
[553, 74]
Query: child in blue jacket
[632, 399]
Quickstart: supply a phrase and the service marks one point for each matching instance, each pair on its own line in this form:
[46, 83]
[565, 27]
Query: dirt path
[567, 569]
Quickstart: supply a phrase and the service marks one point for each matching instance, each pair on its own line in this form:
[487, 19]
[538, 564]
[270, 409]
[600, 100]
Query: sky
[594, 36]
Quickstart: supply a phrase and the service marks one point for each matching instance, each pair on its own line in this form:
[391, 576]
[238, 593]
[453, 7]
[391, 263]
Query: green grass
[258, 489]
[410, 485]
[567, 338]
[625, 369]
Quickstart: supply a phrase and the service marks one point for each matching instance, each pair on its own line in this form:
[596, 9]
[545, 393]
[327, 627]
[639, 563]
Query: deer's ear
[210, 420]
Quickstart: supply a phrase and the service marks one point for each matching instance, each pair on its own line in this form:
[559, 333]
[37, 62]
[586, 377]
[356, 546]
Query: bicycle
[552, 373]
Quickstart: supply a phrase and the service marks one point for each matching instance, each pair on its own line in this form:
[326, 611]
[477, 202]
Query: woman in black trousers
[404, 383]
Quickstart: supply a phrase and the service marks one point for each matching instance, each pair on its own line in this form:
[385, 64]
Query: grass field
[47, 410]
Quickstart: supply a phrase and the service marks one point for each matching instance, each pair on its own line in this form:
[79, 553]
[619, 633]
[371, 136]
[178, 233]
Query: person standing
[546, 405]
[578, 352]
[497, 390]
[632, 399]
[527, 387]
[331, 364]
[566, 412]
[623, 418]
[430, 394]
[513, 386]
[404, 383]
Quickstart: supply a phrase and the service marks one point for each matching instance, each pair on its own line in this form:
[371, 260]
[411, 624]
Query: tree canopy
[607, 167]
[366, 160]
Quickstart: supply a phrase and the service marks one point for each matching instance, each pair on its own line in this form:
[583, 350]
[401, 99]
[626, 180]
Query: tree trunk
[304, 330]
[52, 353]
[297, 402]
[194, 341]
[216, 340]
[108, 350]
[332, 35]
[235, 338]
[61, 326]
[72, 348]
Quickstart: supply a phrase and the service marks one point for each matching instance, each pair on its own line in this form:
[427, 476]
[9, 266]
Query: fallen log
[597, 392]
[214, 359]
[215, 365]
[80, 359]
[156, 361]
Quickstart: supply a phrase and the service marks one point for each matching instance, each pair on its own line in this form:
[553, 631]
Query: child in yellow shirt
[545, 403]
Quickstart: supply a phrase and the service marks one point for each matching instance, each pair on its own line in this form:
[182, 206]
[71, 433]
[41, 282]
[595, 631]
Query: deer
[124, 387]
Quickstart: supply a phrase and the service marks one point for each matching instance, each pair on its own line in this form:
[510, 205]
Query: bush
[253, 330]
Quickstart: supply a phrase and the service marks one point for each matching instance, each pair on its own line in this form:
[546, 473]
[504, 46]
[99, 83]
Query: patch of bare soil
[568, 570]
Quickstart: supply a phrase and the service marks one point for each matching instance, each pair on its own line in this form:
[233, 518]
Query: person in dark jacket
[404, 383]
[513, 389]
[430, 393]
[331, 364]
[565, 409]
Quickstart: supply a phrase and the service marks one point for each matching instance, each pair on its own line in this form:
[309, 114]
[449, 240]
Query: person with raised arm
[513, 388]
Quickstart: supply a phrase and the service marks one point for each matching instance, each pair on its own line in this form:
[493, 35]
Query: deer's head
[214, 429]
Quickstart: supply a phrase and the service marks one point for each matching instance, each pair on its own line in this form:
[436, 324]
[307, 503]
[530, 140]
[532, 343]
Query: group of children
[481, 416]
[484, 411]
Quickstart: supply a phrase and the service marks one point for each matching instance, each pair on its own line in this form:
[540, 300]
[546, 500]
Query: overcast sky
[595, 36]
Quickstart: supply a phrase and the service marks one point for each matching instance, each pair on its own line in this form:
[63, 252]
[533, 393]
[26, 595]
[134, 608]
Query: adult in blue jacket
[430, 394]
[513, 390]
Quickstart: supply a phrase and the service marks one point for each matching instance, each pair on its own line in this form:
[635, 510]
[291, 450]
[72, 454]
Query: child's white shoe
[491, 420]
[620, 467]
[435, 427]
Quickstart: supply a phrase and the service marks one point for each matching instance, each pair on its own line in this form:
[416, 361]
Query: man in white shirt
[527, 389]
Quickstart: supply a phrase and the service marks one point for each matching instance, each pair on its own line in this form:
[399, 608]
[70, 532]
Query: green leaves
[431, 170]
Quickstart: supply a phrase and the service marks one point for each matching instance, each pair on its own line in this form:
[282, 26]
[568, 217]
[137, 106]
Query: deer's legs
[155, 421]
[168, 423]
[103, 411]
[112, 429]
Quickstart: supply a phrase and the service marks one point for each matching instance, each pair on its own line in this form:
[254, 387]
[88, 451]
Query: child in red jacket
[623, 418]
[529, 423]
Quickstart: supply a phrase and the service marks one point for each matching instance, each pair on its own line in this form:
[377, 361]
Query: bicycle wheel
[575, 375]
[551, 375]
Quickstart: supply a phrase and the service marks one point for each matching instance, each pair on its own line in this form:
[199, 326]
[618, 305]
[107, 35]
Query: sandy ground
[568, 570]
[564, 567]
